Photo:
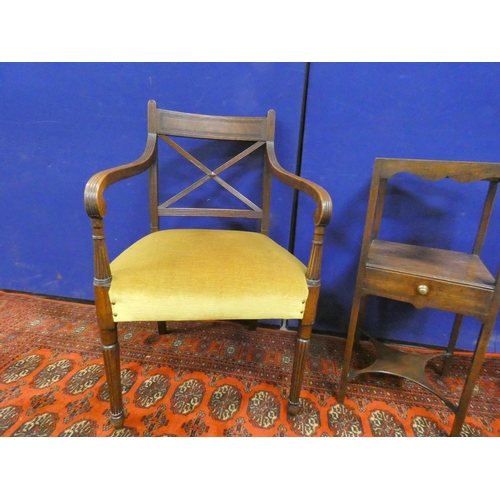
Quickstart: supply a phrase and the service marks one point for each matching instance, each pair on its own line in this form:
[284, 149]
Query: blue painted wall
[61, 123]
[356, 112]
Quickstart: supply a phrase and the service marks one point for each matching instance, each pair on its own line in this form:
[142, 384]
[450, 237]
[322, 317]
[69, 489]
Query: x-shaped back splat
[165, 208]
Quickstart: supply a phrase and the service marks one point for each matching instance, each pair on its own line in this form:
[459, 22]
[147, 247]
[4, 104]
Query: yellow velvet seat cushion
[203, 274]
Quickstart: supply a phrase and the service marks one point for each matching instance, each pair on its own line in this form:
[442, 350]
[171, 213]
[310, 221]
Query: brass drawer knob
[423, 289]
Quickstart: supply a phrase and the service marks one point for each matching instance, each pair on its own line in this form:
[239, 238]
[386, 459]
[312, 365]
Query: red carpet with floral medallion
[208, 379]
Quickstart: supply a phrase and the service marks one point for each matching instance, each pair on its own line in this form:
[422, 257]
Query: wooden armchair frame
[166, 124]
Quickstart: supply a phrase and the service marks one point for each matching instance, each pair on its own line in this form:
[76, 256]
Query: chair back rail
[228, 128]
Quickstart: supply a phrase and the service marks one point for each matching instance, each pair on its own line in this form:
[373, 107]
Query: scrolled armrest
[323, 200]
[95, 205]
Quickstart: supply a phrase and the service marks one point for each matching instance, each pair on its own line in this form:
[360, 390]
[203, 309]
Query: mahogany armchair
[204, 274]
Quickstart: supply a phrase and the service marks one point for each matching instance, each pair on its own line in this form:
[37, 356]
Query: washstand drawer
[427, 292]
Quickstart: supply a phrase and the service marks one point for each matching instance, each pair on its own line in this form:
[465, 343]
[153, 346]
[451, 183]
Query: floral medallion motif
[52, 373]
[82, 428]
[225, 402]
[8, 417]
[344, 422]
[188, 396]
[151, 391]
[21, 368]
[42, 425]
[306, 422]
[384, 424]
[263, 409]
[128, 379]
[84, 379]
[426, 427]
[469, 430]
[125, 432]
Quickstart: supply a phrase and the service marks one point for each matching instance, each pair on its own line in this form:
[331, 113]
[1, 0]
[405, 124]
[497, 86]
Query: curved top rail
[233, 128]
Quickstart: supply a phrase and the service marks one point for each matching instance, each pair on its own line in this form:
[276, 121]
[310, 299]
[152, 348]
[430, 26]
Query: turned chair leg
[301, 347]
[299, 363]
[111, 354]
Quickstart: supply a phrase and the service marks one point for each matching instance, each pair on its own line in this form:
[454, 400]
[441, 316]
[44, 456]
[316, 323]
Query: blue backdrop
[62, 122]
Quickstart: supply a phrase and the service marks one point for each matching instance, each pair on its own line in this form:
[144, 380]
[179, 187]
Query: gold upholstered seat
[179, 274]
[203, 274]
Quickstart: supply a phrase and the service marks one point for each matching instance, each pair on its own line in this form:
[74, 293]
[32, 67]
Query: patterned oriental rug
[209, 379]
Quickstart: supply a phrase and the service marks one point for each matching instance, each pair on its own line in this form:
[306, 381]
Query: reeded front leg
[111, 354]
[301, 347]
[299, 363]
[107, 326]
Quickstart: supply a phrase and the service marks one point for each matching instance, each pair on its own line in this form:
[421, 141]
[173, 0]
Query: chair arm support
[95, 204]
[323, 200]
[322, 216]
